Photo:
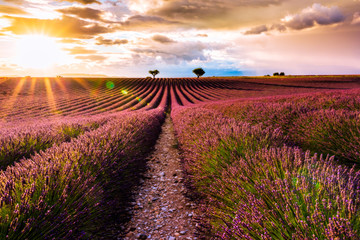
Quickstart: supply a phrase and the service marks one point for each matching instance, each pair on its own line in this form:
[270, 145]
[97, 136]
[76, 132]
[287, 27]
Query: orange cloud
[15, 1]
[80, 50]
[78, 1]
[103, 41]
[66, 27]
[11, 10]
[86, 13]
[162, 39]
[92, 58]
[81, 1]
[146, 22]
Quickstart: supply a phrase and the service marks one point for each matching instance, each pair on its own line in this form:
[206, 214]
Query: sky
[127, 38]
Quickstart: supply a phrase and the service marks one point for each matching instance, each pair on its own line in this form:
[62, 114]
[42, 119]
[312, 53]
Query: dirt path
[161, 210]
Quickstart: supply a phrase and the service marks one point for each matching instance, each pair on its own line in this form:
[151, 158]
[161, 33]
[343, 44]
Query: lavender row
[25, 140]
[248, 109]
[67, 192]
[321, 122]
[253, 186]
[334, 132]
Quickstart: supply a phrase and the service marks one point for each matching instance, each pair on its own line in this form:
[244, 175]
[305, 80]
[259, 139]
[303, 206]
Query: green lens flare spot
[124, 92]
[110, 85]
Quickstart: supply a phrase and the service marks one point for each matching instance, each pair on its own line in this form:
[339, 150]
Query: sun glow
[38, 52]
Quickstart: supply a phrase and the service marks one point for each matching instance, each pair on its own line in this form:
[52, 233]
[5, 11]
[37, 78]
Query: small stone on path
[161, 209]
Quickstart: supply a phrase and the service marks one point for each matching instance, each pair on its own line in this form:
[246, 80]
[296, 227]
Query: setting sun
[37, 51]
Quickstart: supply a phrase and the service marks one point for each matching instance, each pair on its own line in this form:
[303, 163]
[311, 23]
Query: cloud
[206, 14]
[70, 40]
[257, 30]
[8, 67]
[180, 9]
[103, 41]
[15, 1]
[175, 53]
[306, 18]
[279, 27]
[316, 14]
[73, 1]
[162, 39]
[81, 1]
[145, 22]
[86, 13]
[356, 18]
[202, 35]
[92, 58]
[66, 27]
[80, 50]
[11, 10]
[264, 28]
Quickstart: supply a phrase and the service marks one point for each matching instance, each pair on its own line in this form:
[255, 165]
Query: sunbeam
[50, 96]
[10, 103]
[32, 86]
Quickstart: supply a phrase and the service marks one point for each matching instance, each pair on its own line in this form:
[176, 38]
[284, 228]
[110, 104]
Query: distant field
[72, 149]
[38, 97]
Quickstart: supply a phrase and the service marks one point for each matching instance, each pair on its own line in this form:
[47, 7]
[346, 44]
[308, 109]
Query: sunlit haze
[225, 38]
[38, 52]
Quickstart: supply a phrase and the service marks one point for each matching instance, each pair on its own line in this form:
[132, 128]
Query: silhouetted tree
[199, 72]
[276, 74]
[282, 74]
[154, 73]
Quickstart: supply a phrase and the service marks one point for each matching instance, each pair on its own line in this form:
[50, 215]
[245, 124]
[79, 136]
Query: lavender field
[264, 157]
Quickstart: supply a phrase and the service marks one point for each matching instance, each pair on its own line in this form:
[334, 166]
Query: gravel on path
[161, 210]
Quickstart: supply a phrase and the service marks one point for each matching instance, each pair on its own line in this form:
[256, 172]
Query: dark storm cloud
[66, 27]
[317, 14]
[11, 10]
[162, 39]
[109, 42]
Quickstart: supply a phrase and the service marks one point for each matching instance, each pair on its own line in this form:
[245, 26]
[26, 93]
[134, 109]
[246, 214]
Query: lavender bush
[255, 187]
[25, 140]
[321, 122]
[336, 132]
[63, 192]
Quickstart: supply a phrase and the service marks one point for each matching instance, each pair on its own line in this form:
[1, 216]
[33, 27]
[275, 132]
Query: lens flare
[110, 85]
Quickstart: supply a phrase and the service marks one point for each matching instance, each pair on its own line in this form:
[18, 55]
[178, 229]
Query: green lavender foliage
[253, 186]
[62, 192]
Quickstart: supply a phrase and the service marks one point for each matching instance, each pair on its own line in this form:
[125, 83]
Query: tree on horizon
[199, 72]
[154, 72]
